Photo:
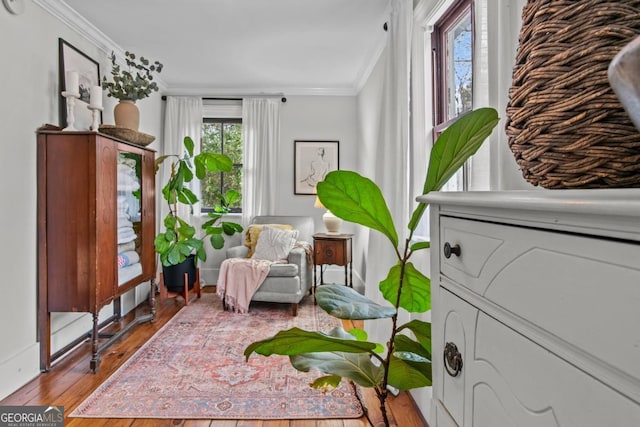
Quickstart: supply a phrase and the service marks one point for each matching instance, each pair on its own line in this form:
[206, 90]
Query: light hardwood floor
[70, 381]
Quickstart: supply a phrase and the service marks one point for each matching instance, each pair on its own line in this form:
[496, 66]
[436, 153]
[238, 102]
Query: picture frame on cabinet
[313, 160]
[71, 59]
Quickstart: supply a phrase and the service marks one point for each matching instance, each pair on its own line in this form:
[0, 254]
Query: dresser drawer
[558, 283]
[509, 377]
[336, 252]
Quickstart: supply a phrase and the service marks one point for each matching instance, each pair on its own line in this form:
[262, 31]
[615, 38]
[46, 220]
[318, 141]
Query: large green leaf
[230, 228]
[421, 330]
[213, 162]
[416, 288]
[405, 375]
[404, 344]
[297, 341]
[186, 196]
[453, 147]
[355, 366]
[217, 240]
[345, 303]
[326, 383]
[188, 144]
[354, 198]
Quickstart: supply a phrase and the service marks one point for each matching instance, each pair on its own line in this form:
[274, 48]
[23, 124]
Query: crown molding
[72, 19]
[78, 23]
[271, 91]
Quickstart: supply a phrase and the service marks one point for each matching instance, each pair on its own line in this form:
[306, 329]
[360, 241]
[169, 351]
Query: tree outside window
[222, 136]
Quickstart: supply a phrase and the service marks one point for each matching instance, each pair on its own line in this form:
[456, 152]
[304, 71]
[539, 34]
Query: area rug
[194, 367]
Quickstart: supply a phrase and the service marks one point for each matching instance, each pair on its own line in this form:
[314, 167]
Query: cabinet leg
[95, 356]
[152, 298]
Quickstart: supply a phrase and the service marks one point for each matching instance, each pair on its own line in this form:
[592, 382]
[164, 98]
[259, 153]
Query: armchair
[290, 282]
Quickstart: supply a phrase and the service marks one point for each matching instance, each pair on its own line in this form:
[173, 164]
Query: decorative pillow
[275, 244]
[253, 233]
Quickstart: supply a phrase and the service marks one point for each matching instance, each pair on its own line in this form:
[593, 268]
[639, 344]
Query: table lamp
[331, 222]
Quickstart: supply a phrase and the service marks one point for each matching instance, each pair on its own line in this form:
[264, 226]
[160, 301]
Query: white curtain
[261, 133]
[183, 117]
[392, 169]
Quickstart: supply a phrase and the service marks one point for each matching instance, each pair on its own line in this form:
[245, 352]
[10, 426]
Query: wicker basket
[565, 125]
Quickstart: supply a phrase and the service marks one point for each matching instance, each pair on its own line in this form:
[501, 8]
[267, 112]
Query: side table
[332, 249]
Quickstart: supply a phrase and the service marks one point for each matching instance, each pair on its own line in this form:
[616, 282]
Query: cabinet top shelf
[49, 131]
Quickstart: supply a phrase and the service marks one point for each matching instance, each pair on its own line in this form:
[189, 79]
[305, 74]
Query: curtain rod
[229, 98]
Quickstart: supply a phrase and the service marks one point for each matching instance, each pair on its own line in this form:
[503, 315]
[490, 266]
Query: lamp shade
[318, 203]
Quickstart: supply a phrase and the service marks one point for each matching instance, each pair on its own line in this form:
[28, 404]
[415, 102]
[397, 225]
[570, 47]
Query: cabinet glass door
[129, 216]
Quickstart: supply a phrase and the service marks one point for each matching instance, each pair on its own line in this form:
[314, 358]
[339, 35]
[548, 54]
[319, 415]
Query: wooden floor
[70, 381]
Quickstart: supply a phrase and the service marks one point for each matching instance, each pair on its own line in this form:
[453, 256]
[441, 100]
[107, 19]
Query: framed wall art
[72, 59]
[313, 160]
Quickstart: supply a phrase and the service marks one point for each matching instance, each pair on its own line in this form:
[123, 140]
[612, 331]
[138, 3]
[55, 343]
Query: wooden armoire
[96, 226]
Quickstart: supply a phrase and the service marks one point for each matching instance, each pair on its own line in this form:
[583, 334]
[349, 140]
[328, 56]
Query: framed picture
[313, 161]
[71, 59]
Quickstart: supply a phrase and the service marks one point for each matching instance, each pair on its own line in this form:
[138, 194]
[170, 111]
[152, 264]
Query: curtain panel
[261, 133]
[183, 117]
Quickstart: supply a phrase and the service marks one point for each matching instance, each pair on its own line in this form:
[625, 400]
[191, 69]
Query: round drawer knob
[328, 252]
[448, 250]
[452, 359]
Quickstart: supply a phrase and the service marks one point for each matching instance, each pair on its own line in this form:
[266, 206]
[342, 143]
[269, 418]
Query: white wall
[29, 87]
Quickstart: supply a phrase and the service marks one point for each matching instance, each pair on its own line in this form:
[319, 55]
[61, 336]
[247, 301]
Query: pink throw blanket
[239, 279]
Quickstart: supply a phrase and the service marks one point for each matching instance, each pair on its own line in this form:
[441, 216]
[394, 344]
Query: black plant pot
[173, 275]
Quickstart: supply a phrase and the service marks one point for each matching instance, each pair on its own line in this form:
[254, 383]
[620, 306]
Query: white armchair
[290, 282]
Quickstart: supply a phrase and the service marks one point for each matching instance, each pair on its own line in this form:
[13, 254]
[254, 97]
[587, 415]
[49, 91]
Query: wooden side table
[332, 249]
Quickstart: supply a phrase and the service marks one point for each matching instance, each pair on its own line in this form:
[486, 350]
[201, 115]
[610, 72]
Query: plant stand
[165, 293]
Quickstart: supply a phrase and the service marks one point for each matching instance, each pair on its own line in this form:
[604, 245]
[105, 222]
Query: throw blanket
[239, 279]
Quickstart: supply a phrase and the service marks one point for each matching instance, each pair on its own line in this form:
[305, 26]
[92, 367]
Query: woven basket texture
[566, 127]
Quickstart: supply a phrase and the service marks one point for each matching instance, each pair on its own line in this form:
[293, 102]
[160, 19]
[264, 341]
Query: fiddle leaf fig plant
[405, 361]
[179, 239]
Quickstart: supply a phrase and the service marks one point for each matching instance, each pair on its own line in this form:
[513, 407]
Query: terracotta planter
[127, 115]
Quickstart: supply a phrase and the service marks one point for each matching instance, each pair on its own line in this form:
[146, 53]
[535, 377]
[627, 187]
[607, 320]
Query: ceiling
[248, 46]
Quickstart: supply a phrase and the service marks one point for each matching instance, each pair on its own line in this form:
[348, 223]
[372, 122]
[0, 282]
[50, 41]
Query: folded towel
[126, 234]
[128, 258]
[124, 247]
[129, 272]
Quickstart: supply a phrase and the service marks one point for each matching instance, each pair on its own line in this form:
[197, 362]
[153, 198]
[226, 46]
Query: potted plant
[178, 245]
[129, 85]
[405, 362]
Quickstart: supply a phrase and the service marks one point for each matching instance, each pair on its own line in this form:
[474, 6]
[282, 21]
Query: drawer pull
[448, 250]
[452, 359]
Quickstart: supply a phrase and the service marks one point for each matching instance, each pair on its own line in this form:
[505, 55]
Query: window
[222, 136]
[452, 46]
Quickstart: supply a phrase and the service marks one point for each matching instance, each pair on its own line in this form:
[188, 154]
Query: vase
[127, 115]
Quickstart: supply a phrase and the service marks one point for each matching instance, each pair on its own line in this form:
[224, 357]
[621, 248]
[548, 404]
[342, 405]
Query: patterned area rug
[194, 367]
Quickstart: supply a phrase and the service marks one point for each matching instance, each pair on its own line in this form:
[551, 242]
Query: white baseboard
[19, 369]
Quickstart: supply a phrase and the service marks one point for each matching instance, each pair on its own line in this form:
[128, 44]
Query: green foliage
[179, 239]
[213, 135]
[133, 83]
[407, 361]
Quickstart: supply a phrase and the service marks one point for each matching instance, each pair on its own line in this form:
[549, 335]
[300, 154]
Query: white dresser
[536, 308]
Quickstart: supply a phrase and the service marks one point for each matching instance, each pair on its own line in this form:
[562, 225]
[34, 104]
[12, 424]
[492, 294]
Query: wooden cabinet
[96, 226]
[535, 308]
[332, 249]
